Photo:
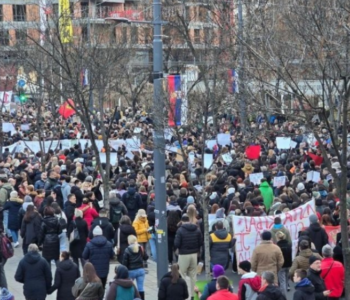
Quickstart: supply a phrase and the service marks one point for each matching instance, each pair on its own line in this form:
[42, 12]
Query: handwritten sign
[208, 160]
[256, 178]
[224, 139]
[227, 158]
[313, 176]
[248, 229]
[283, 142]
[279, 181]
[210, 144]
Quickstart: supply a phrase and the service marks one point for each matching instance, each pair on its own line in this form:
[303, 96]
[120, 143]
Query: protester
[122, 287]
[117, 210]
[172, 286]
[35, 274]
[278, 226]
[99, 251]
[69, 208]
[286, 248]
[314, 275]
[317, 234]
[66, 274]
[304, 290]
[30, 228]
[250, 282]
[121, 236]
[103, 221]
[142, 229]
[267, 256]
[3, 281]
[222, 290]
[268, 290]
[132, 200]
[89, 286]
[172, 226]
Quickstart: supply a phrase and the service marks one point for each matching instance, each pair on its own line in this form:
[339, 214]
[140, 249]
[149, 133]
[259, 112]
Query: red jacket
[253, 280]
[334, 280]
[89, 214]
[223, 295]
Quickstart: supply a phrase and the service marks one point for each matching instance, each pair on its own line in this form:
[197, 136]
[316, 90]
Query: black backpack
[131, 201]
[115, 214]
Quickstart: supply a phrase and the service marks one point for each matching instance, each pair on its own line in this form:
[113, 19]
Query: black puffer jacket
[286, 249]
[271, 292]
[106, 226]
[66, 274]
[30, 229]
[188, 239]
[125, 231]
[116, 204]
[78, 195]
[318, 236]
[132, 260]
[172, 291]
[220, 242]
[48, 237]
[34, 272]
[318, 283]
[304, 290]
[77, 247]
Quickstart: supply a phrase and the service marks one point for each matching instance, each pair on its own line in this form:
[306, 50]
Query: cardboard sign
[279, 181]
[224, 139]
[256, 178]
[283, 142]
[227, 158]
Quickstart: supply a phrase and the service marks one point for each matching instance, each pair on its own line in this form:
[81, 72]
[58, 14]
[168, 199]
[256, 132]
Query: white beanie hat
[231, 190]
[97, 231]
[300, 187]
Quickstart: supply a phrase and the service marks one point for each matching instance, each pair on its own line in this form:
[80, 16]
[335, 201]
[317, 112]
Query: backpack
[116, 214]
[130, 202]
[125, 293]
[6, 248]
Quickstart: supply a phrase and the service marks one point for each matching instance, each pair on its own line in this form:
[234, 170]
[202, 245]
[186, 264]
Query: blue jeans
[5, 221]
[139, 275]
[63, 241]
[14, 234]
[153, 245]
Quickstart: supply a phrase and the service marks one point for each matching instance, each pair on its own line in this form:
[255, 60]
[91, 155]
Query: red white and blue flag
[175, 100]
[233, 81]
[84, 76]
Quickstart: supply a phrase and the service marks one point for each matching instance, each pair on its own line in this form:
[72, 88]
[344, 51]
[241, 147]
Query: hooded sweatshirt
[248, 286]
[304, 290]
[267, 194]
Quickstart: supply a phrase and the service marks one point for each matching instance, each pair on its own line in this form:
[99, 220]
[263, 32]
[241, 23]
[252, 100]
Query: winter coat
[280, 227]
[125, 231]
[220, 242]
[106, 226]
[318, 236]
[69, 209]
[267, 194]
[172, 291]
[188, 239]
[116, 204]
[267, 257]
[132, 201]
[89, 214]
[112, 293]
[302, 261]
[333, 274]
[317, 282]
[133, 260]
[48, 237]
[66, 188]
[66, 274]
[13, 206]
[141, 227]
[223, 295]
[304, 290]
[270, 292]
[76, 247]
[30, 229]
[78, 194]
[5, 191]
[87, 291]
[248, 286]
[286, 249]
[35, 274]
[99, 251]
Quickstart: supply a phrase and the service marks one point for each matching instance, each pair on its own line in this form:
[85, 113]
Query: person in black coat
[30, 228]
[69, 208]
[125, 229]
[314, 275]
[317, 234]
[77, 247]
[286, 248]
[76, 190]
[13, 206]
[34, 272]
[117, 210]
[172, 286]
[66, 274]
[103, 222]
[304, 290]
[49, 235]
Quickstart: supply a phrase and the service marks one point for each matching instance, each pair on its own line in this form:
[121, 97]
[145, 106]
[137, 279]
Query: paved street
[151, 290]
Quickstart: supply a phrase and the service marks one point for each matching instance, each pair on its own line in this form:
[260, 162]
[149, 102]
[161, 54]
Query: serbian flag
[253, 152]
[317, 159]
[175, 100]
[67, 109]
[233, 81]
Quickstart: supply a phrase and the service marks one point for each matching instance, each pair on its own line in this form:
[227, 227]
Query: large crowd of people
[52, 205]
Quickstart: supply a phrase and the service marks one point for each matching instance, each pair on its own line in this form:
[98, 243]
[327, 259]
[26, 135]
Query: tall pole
[242, 103]
[91, 92]
[159, 148]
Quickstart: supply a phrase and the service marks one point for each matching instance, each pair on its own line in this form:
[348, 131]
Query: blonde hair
[132, 240]
[192, 213]
[280, 235]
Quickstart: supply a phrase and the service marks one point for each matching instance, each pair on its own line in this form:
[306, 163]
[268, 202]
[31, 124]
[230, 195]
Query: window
[147, 33]
[197, 36]
[84, 33]
[125, 35]
[1, 13]
[4, 38]
[19, 13]
[21, 36]
[84, 8]
[134, 35]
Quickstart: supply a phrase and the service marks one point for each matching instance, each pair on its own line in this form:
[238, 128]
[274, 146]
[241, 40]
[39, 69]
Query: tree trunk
[206, 237]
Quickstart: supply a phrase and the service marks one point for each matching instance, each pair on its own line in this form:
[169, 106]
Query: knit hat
[218, 270]
[89, 179]
[266, 236]
[213, 195]
[231, 190]
[245, 265]
[190, 200]
[97, 231]
[312, 259]
[220, 213]
[6, 295]
[313, 219]
[13, 194]
[300, 187]
[27, 198]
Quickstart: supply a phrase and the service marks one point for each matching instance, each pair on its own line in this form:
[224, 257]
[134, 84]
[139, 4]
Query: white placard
[313, 176]
[208, 160]
[25, 127]
[279, 181]
[224, 139]
[256, 178]
[210, 144]
[6, 127]
[227, 158]
[283, 142]
[293, 144]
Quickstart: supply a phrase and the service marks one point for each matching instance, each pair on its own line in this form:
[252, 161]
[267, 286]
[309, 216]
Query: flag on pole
[84, 76]
[175, 100]
[67, 109]
[233, 81]
[65, 21]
